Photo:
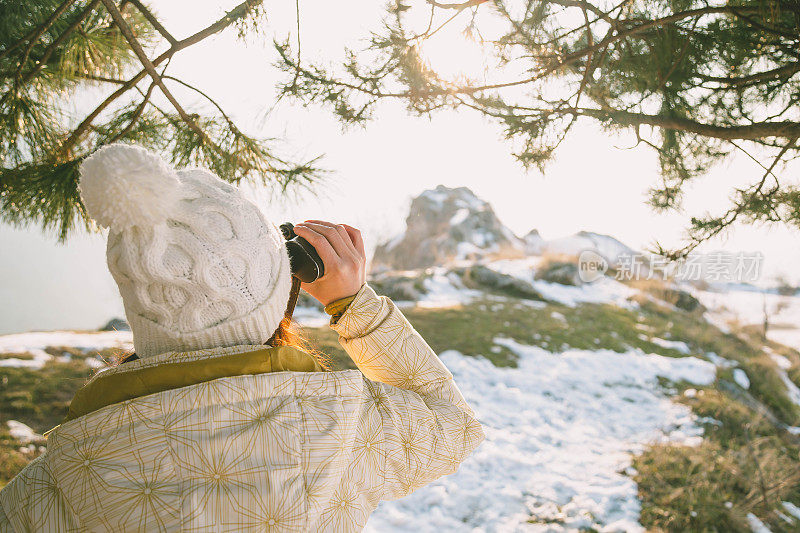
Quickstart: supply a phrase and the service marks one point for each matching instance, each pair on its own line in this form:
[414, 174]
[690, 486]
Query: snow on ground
[781, 360]
[721, 362]
[557, 456]
[35, 342]
[791, 389]
[605, 245]
[23, 433]
[792, 509]
[757, 525]
[603, 290]
[311, 317]
[680, 346]
[745, 304]
[741, 379]
[445, 290]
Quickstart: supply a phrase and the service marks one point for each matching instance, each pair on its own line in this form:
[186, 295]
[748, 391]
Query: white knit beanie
[196, 263]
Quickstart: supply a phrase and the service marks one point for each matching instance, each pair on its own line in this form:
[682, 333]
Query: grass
[38, 398]
[13, 456]
[22, 356]
[472, 328]
[744, 465]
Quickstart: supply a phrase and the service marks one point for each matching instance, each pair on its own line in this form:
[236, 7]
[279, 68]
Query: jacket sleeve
[427, 428]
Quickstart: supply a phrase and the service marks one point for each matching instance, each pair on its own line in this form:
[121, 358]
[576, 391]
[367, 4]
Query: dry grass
[744, 465]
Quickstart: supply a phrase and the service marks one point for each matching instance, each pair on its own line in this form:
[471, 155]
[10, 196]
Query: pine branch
[459, 7]
[757, 130]
[151, 70]
[137, 114]
[60, 40]
[33, 36]
[154, 21]
[785, 71]
[204, 95]
[232, 16]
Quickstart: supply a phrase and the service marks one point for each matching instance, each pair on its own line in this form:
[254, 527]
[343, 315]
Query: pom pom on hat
[123, 186]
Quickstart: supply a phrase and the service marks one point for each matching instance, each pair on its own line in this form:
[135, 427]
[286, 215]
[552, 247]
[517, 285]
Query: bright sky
[596, 183]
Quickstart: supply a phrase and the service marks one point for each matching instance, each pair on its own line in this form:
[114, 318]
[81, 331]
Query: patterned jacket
[274, 451]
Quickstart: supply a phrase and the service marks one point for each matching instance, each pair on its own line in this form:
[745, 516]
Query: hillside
[608, 406]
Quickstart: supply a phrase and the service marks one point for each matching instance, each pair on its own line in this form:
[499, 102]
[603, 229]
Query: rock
[562, 272]
[399, 286]
[675, 296]
[611, 249]
[683, 300]
[482, 277]
[116, 324]
[534, 243]
[447, 224]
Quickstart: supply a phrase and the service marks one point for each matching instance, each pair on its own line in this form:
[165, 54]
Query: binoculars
[305, 262]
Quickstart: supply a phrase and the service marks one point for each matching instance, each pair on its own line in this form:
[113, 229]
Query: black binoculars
[305, 262]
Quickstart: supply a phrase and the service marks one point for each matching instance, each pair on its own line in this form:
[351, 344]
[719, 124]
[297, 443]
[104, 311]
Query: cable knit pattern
[276, 452]
[208, 273]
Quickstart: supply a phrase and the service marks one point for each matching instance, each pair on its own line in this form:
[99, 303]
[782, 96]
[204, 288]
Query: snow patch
[780, 360]
[741, 379]
[791, 389]
[460, 216]
[601, 291]
[720, 361]
[757, 525]
[444, 289]
[35, 342]
[745, 304]
[311, 317]
[558, 455]
[22, 433]
[679, 346]
[792, 509]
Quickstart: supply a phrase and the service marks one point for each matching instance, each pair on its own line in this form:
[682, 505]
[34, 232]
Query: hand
[341, 249]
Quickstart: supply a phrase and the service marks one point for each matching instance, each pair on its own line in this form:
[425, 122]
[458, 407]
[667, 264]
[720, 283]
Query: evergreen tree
[694, 79]
[52, 50]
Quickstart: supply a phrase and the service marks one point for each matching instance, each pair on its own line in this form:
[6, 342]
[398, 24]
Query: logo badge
[591, 266]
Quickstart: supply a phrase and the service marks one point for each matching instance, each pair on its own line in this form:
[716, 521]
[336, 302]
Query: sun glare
[456, 56]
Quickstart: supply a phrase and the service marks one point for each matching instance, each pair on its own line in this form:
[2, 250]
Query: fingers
[353, 233]
[319, 242]
[355, 236]
[336, 234]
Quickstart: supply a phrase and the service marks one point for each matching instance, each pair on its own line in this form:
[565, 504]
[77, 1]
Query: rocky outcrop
[444, 225]
[534, 243]
[562, 272]
[484, 278]
[611, 249]
[404, 286]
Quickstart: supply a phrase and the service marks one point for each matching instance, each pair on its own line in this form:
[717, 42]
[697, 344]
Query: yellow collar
[114, 387]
